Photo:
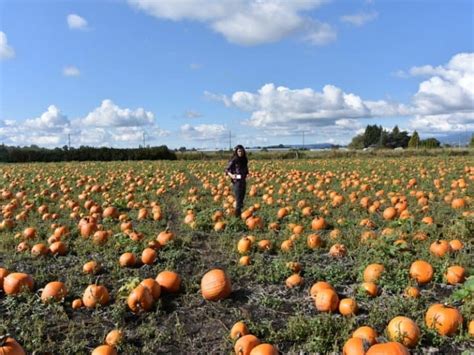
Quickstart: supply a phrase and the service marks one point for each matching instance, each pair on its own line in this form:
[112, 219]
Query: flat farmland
[323, 248]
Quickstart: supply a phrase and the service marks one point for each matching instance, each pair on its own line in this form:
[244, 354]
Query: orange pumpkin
[215, 285]
[294, 280]
[421, 271]
[153, 286]
[104, 350]
[238, 329]
[373, 272]
[404, 330]
[55, 290]
[140, 299]
[353, 346]
[455, 274]
[169, 281]
[95, 295]
[348, 307]
[392, 348]
[17, 282]
[9, 346]
[264, 349]
[326, 300]
[366, 333]
[245, 344]
[445, 320]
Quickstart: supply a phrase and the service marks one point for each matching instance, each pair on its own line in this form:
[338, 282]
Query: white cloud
[360, 18]
[110, 115]
[279, 107]
[445, 101]
[76, 22]
[320, 33]
[203, 132]
[192, 114]
[71, 71]
[195, 66]
[51, 119]
[245, 22]
[6, 51]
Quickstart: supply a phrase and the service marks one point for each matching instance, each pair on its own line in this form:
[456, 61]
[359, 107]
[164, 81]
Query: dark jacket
[238, 166]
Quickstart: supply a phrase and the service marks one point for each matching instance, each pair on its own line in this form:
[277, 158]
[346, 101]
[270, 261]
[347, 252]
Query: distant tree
[430, 143]
[397, 138]
[414, 141]
[182, 149]
[372, 135]
[357, 142]
[471, 144]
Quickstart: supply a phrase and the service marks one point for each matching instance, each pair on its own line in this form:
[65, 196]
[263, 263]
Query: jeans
[239, 191]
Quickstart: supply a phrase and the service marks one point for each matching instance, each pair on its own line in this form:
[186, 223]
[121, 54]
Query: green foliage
[414, 141]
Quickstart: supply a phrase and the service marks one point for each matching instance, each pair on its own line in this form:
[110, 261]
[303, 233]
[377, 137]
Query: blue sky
[186, 72]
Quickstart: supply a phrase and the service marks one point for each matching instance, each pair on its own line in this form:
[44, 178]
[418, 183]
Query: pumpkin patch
[346, 255]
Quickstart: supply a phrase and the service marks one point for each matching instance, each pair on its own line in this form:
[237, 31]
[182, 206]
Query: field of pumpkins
[349, 256]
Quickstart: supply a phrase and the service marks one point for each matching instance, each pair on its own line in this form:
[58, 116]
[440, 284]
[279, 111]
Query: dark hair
[236, 156]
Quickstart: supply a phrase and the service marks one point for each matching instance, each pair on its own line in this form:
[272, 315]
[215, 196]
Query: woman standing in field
[238, 170]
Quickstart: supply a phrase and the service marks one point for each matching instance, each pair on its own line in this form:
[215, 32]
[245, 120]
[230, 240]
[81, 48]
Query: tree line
[377, 137]
[83, 153]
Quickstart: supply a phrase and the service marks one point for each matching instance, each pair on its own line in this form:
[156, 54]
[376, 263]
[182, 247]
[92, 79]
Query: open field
[388, 211]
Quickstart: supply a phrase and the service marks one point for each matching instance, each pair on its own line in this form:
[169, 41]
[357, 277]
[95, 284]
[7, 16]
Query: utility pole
[230, 139]
[69, 141]
[303, 139]
[144, 140]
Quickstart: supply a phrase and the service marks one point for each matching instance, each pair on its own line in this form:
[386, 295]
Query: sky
[214, 73]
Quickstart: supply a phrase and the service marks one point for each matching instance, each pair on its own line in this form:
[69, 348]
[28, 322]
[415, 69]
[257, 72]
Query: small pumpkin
[404, 330]
[368, 334]
[215, 285]
[421, 271]
[318, 286]
[238, 329]
[104, 350]
[9, 346]
[370, 289]
[114, 337]
[95, 295]
[326, 300]
[127, 259]
[153, 286]
[348, 307]
[444, 319]
[245, 344]
[148, 256]
[440, 248]
[294, 280]
[91, 267]
[55, 290]
[140, 299]
[353, 346]
[17, 282]
[373, 272]
[264, 349]
[455, 275]
[169, 281]
[388, 348]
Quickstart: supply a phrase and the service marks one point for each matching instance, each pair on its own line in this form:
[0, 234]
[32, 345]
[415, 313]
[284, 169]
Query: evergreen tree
[430, 143]
[414, 141]
[471, 144]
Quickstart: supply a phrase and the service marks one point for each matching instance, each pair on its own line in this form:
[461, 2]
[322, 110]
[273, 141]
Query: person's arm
[230, 168]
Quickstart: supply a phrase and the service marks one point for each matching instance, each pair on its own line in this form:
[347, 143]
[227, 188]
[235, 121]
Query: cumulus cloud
[203, 132]
[109, 114]
[282, 107]
[360, 18]
[445, 101]
[244, 22]
[51, 119]
[71, 71]
[6, 51]
[107, 125]
[76, 22]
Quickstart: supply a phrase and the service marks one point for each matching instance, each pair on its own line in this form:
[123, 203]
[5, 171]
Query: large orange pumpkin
[10, 346]
[17, 282]
[404, 330]
[445, 320]
[95, 295]
[392, 348]
[245, 344]
[215, 285]
[169, 281]
[421, 271]
[140, 299]
[54, 290]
